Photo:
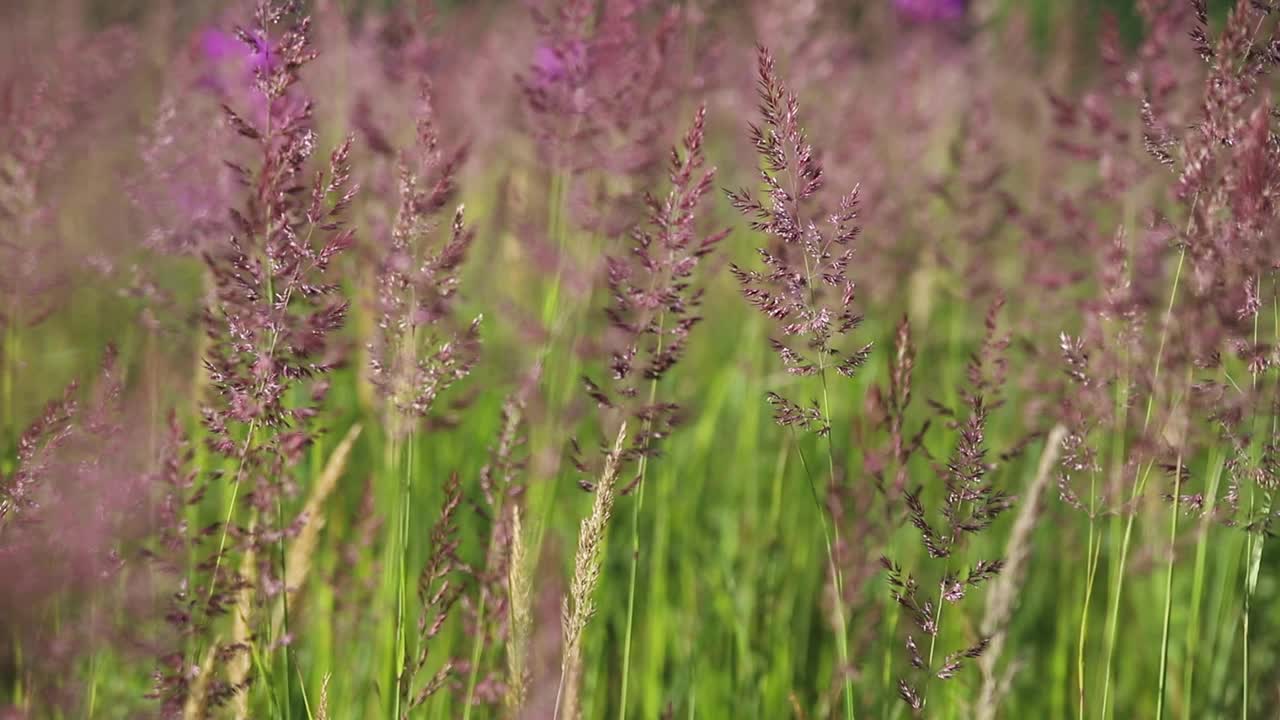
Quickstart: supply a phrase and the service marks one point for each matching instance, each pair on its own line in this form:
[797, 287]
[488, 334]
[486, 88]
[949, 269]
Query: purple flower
[932, 10]
[553, 65]
[228, 64]
[217, 45]
[231, 68]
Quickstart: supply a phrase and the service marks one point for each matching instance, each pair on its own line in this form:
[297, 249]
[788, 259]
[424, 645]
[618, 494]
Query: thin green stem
[477, 653]
[1092, 557]
[631, 589]
[1256, 541]
[1117, 468]
[635, 541]
[822, 519]
[555, 220]
[284, 599]
[401, 565]
[1198, 578]
[11, 355]
[937, 618]
[1113, 615]
[842, 647]
[842, 640]
[1168, 587]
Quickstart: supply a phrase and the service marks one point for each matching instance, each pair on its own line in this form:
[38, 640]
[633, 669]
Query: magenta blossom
[218, 46]
[228, 64]
[932, 10]
[232, 67]
[553, 65]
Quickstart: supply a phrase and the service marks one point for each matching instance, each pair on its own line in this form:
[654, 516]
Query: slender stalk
[284, 575]
[402, 601]
[837, 577]
[842, 631]
[517, 647]
[11, 354]
[937, 618]
[1092, 558]
[579, 606]
[635, 544]
[842, 647]
[477, 652]
[555, 221]
[631, 589]
[402, 571]
[1168, 587]
[1198, 578]
[1114, 613]
[1254, 550]
[231, 506]
[1117, 468]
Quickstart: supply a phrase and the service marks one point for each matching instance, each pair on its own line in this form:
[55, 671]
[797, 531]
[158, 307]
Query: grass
[731, 563]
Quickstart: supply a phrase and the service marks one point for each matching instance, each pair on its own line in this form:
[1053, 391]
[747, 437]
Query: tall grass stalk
[841, 639]
[1256, 538]
[477, 654]
[1192, 641]
[1174, 508]
[579, 607]
[1253, 552]
[636, 509]
[401, 568]
[1093, 556]
[842, 630]
[519, 601]
[1003, 596]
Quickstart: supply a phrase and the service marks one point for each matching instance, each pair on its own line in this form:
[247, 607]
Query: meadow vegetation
[617, 358]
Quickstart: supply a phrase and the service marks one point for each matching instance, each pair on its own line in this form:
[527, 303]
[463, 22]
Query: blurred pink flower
[932, 10]
[559, 64]
[219, 46]
[228, 65]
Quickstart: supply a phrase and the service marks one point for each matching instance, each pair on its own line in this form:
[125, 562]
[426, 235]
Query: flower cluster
[805, 289]
[655, 298]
